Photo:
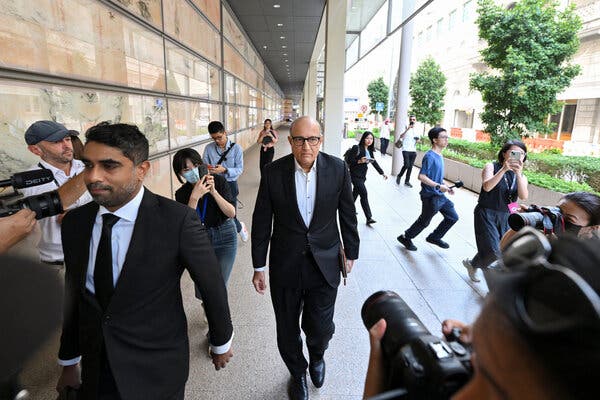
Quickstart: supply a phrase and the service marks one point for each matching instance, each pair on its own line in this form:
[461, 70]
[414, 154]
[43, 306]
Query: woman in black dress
[267, 139]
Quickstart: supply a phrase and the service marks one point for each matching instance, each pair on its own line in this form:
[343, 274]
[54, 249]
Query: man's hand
[70, 376]
[349, 265]
[259, 282]
[15, 227]
[221, 360]
[218, 169]
[465, 334]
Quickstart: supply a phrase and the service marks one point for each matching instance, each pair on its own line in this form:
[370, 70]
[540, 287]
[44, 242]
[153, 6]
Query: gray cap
[45, 130]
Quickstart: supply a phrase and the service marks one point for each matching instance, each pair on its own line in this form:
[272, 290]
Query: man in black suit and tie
[299, 199]
[124, 256]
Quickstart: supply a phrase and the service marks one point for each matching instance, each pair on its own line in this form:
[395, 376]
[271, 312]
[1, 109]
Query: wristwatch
[437, 187]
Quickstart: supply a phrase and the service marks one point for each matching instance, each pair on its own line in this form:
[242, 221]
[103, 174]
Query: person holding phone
[210, 196]
[358, 157]
[503, 184]
[267, 138]
[409, 140]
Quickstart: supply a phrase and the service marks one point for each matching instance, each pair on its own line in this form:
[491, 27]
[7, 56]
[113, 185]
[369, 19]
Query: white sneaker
[244, 232]
[471, 270]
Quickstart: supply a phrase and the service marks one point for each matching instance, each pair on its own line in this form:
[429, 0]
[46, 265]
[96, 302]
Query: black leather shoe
[317, 372]
[298, 389]
[438, 242]
[371, 221]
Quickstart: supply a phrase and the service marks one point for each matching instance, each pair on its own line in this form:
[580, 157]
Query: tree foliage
[378, 92]
[427, 90]
[529, 46]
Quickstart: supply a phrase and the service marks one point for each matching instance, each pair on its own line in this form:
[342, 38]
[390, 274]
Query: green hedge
[548, 169]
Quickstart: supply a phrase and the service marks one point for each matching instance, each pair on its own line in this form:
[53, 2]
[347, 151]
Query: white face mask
[192, 175]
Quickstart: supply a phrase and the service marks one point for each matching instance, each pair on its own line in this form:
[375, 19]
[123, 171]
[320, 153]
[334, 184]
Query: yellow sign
[359, 115]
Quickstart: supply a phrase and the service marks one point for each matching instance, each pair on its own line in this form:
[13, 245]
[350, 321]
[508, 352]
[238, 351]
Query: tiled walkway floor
[432, 281]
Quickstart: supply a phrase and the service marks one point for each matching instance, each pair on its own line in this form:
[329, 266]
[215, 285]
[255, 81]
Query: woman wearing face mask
[267, 139]
[210, 196]
[581, 213]
[358, 158]
[503, 183]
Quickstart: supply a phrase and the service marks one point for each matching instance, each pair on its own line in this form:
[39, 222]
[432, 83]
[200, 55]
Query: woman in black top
[358, 158]
[267, 139]
[503, 184]
[210, 196]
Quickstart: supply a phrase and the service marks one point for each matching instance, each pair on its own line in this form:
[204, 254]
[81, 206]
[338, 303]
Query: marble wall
[153, 63]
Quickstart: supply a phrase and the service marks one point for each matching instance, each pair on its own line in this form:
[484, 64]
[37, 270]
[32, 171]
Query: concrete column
[401, 118]
[335, 60]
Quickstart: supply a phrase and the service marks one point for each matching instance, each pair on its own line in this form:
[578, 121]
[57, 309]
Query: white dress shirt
[306, 192]
[50, 244]
[384, 131]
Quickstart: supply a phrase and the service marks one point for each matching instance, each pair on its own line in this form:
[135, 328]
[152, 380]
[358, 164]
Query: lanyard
[202, 214]
[510, 187]
[53, 177]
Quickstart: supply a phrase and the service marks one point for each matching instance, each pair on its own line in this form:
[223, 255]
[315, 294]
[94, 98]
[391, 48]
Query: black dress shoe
[371, 221]
[438, 242]
[317, 372]
[298, 389]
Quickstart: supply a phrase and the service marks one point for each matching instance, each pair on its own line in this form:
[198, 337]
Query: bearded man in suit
[124, 257]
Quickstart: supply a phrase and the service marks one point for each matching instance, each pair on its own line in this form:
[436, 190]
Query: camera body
[44, 205]
[426, 366]
[267, 139]
[547, 219]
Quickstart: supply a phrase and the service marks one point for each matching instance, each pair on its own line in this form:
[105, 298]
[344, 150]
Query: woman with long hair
[358, 158]
[503, 183]
[267, 138]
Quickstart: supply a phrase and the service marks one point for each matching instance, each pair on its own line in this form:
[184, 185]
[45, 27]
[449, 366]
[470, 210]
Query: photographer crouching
[535, 338]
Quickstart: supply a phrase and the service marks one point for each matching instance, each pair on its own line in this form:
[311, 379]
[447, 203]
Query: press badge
[513, 207]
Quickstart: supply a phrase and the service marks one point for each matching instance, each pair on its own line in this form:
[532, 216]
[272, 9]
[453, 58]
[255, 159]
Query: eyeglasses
[300, 140]
[442, 137]
[542, 297]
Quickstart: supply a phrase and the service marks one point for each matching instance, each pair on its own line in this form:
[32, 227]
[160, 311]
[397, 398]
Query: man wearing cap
[51, 141]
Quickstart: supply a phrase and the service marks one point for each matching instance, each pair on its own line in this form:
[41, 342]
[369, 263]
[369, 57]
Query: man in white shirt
[384, 136]
[409, 150]
[51, 141]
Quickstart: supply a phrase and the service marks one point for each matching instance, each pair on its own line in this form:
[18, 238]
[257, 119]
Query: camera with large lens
[267, 139]
[419, 365]
[44, 205]
[548, 219]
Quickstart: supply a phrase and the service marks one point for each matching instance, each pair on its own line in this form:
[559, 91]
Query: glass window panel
[352, 53]
[214, 83]
[375, 30]
[467, 11]
[229, 88]
[158, 178]
[210, 8]
[396, 17]
[188, 121]
[451, 20]
[232, 62]
[252, 117]
[186, 74]
[243, 117]
[231, 118]
[21, 104]
[184, 23]
[81, 39]
[149, 10]
[242, 92]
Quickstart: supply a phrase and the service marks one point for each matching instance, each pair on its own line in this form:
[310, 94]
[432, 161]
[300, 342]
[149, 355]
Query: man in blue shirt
[227, 159]
[432, 195]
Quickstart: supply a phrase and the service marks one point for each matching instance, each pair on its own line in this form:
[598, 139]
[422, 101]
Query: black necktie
[103, 273]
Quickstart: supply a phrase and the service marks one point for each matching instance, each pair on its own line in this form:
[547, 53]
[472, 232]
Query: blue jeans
[235, 190]
[431, 206]
[224, 242]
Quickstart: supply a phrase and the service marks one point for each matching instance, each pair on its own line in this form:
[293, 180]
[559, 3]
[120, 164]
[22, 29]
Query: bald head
[305, 122]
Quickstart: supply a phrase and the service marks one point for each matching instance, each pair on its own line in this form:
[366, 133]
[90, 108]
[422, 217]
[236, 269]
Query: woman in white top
[409, 150]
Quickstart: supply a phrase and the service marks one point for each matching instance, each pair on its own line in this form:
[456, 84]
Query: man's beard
[114, 197]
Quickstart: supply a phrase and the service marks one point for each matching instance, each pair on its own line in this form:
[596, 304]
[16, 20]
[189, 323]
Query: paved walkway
[431, 280]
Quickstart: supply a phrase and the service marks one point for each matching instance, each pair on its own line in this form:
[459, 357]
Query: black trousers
[314, 302]
[359, 189]
[235, 190]
[266, 157]
[384, 145]
[409, 161]
[490, 225]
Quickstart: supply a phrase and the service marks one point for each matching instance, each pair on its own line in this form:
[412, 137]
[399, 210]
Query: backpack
[348, 155]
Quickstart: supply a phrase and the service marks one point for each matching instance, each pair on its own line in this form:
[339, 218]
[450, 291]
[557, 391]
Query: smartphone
[202, 170]
[515, 155]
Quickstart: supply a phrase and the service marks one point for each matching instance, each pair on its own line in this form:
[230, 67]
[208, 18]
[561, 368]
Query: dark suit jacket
[144, 327]
[277, 220]
[359, 171]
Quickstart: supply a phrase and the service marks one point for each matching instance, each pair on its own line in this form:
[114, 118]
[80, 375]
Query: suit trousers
[431, 206]
[314, 301]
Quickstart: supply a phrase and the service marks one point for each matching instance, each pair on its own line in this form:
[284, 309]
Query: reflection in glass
[212, 9]
[184, 23]
[186, 74]
[188, 121]
[229, 88]
[149, 10]
[82, 39]
[158, 178]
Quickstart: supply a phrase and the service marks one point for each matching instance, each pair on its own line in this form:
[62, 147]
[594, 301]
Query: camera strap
[225, 154]
[53, 177]
[511, 187]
